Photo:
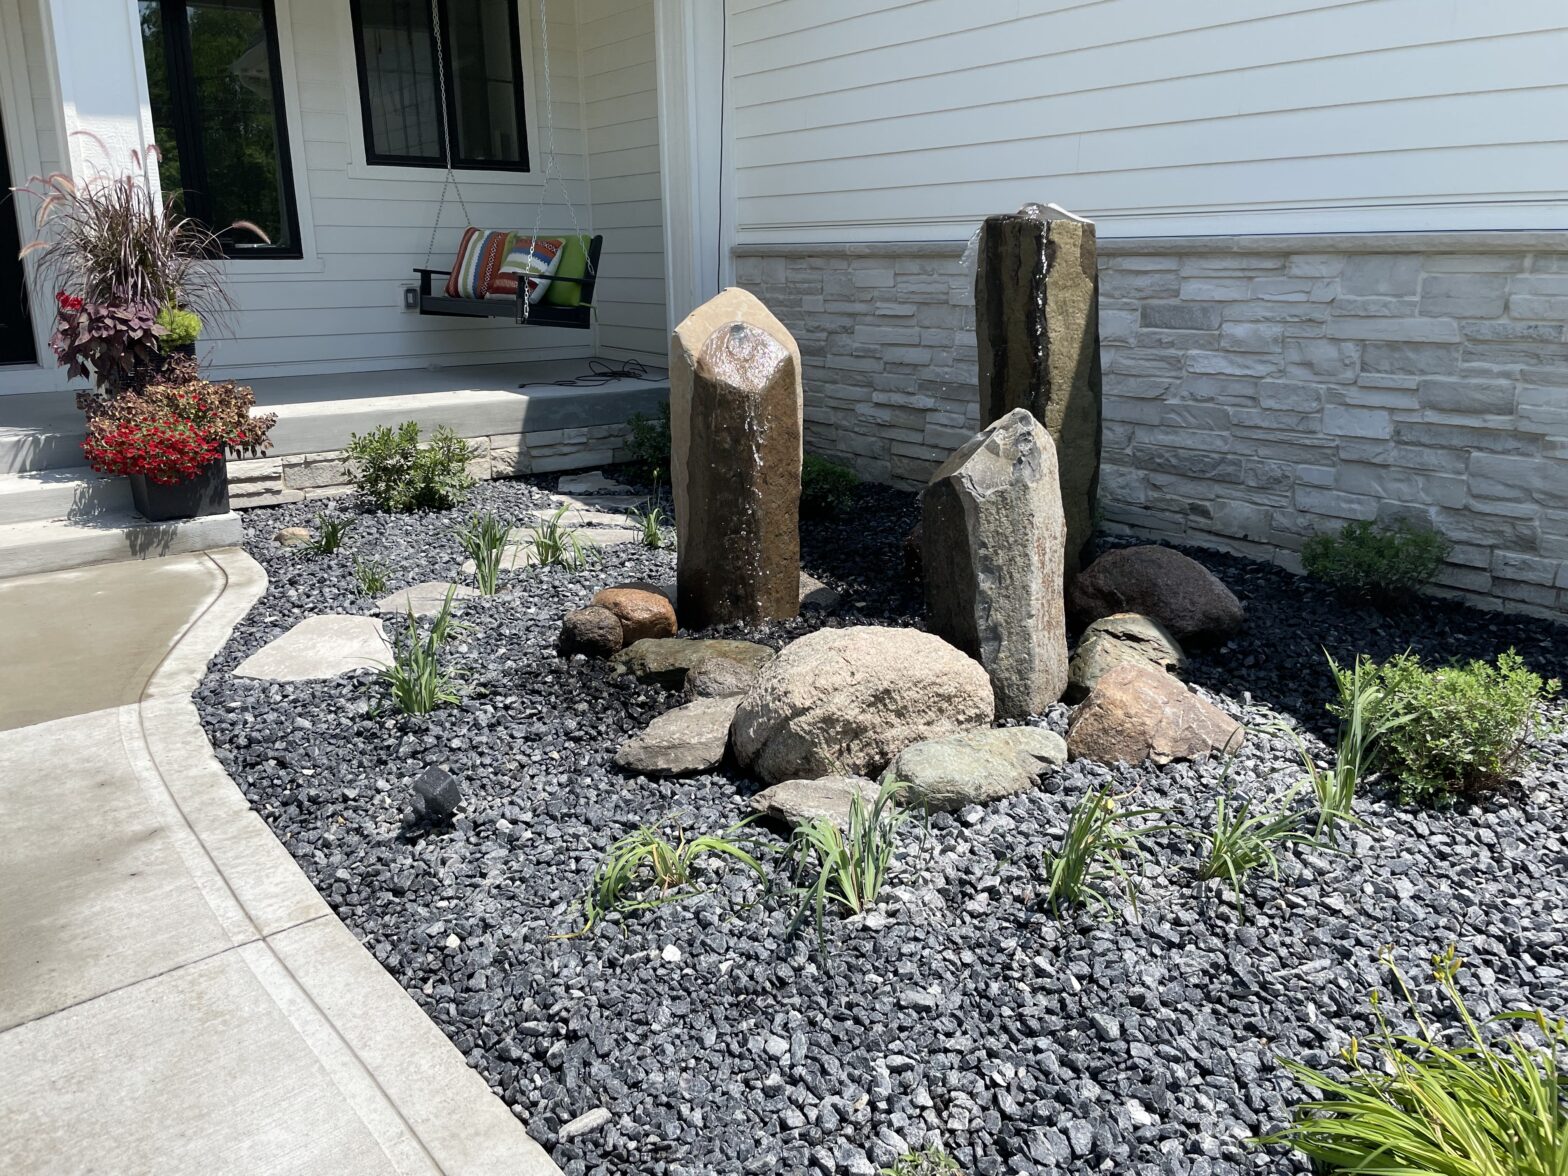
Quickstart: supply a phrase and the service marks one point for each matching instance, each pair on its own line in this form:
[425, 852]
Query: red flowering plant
[114, 345]
[173, 427]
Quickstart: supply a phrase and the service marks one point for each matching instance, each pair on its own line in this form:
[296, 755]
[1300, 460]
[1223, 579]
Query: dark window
[217, 105]
[411, 71]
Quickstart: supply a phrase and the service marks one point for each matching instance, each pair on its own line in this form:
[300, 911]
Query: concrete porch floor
[175, 997]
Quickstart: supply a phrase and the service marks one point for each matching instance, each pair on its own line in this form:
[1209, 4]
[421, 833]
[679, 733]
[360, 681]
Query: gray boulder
[688, 739]
[719, 677]
[1175, 590]
[665, 661]
[992, 536]
[1113, 640]
[975, 767]
[797, 802]
[846, 701]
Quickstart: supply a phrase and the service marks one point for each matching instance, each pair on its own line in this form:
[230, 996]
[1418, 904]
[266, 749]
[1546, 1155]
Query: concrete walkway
[175, 997]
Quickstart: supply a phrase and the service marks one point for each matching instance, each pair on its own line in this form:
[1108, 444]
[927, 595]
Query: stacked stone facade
[1257, 390]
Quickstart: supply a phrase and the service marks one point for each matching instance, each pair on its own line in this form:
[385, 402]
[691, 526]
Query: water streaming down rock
[735, 440]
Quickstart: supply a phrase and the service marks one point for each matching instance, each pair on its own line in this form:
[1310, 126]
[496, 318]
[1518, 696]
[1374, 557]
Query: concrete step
[23, 449]
[55, 544]
[73, 492]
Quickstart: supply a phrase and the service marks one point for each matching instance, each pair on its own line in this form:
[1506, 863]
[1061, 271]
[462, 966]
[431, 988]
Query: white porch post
[102, 80]
[694, 155]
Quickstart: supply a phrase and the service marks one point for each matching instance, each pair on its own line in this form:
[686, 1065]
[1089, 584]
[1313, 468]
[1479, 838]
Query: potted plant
[170, 436]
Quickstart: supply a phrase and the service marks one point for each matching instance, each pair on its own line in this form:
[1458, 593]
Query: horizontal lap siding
[621, 129]
[871, 120]
[340, 308]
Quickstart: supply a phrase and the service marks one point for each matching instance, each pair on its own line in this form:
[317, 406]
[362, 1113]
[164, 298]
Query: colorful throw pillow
[574, 264]
[480, 256]
[531, 260]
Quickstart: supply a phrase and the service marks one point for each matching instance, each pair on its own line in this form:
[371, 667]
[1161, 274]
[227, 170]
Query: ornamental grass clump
[845, 868]
[555, 544]
[646, 869]
[1089, 861]
[651, 521]
[1381, 562]
[930, 1161]
[1455, 729]
[1244, 838]
[1460, 1102]
[171, 429]
[397, 473]
[418, 677]
[330, 533]
[483, 538]
[371, 577]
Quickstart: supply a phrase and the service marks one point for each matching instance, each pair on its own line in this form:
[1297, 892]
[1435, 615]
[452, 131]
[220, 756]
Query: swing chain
[450, 179]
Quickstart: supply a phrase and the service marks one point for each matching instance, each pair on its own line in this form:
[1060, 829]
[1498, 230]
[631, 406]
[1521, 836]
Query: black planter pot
[205, 494]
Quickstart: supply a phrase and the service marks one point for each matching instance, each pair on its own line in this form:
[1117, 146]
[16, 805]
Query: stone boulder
[1113, 640]
[798, 802]
[292, 536]
[1037, 327]
[992, 535]
[665, 661]
[719, 677]
[846, 701]
[593, 631]
[688, 739]
[1179, 592]
[642, 613]
[975, 767]
[735, 452]
[1136, 713]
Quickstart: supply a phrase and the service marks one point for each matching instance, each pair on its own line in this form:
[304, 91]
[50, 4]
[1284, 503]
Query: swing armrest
[424, 278]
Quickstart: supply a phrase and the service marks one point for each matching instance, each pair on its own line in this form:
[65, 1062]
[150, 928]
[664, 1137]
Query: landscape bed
[958, 1012]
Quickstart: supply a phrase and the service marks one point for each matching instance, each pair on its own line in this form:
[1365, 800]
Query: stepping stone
[513, 556]
[688, 739]
[601, 501]
[425, 599]
[591, 482]
[320, 647]
[582, 516]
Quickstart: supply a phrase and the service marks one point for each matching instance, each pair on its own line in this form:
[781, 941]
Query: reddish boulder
[642, 613]
[1136, 713]
[1176, 591]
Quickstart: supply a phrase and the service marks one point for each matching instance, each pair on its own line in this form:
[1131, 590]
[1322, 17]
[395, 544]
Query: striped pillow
[536, 265]
[480, 256]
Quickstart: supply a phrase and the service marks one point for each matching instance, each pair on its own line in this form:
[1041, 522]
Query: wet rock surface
[957, 1012]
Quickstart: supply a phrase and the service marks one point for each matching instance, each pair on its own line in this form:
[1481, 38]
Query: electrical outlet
[410, 297]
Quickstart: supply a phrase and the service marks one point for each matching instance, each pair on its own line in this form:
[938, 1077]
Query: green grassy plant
[371, 576]
[557, 545]
[645, 869]
[651, 521]
[483, 538]
[845, 869]
[1244, 839]
[1454, 729]
[1465, 1103]
[1089, 861]
[330, 533]
[930, 1161]
[418, 677]
[397, 473]
[826, 488]
[1382, 562]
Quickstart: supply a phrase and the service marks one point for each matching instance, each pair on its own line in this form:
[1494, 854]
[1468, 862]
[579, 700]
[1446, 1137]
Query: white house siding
[365, 228]
[620, 114]
[875, 120]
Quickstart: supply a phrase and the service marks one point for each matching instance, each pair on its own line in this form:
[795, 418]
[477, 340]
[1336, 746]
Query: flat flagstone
[320, 647]
[592, 482]
[583, 516]
[602, 501]
[425, 599]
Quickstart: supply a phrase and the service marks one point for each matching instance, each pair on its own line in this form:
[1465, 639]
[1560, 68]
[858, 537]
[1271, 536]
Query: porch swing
[489, 254]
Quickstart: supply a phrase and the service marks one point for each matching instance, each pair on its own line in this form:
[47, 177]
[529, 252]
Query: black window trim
[448, 99]
[187, 129]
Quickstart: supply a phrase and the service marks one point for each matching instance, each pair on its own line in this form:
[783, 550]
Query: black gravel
[957, 1013]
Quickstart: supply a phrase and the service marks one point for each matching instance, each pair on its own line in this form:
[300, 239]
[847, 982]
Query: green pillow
[574, 264]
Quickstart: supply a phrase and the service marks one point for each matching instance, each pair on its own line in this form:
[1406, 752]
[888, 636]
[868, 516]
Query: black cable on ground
[600, 372]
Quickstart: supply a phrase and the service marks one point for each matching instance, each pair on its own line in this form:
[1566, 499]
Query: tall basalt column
[1038, 330]
[735, 438]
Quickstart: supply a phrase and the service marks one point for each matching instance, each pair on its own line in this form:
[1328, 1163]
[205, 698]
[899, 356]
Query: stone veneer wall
[267, 481]
[1258, 389]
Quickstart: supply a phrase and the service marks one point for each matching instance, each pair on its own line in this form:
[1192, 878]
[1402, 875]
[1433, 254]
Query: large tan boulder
[846, 701]
[1037, 326]
[992, 533]
[735, 450]
[1177, 591]
[641, 611]
[1136, 713]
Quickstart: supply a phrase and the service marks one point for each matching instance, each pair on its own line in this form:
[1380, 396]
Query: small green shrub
[1455, 729]
[645, 857]
[931, 1161]
[1089, 859]
[483, 538]
[418, 677]
[371, 576]
[330, 533]
[845, 869]
[557, 545]
[1383, 562]
[1426, 1103]
[181, 328]
[392, 469]
[826, 488]
[648, 445]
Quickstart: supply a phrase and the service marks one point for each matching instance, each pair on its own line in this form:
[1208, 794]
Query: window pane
[236, 118]
[169, 173]
[400, 79]
[481, 57]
